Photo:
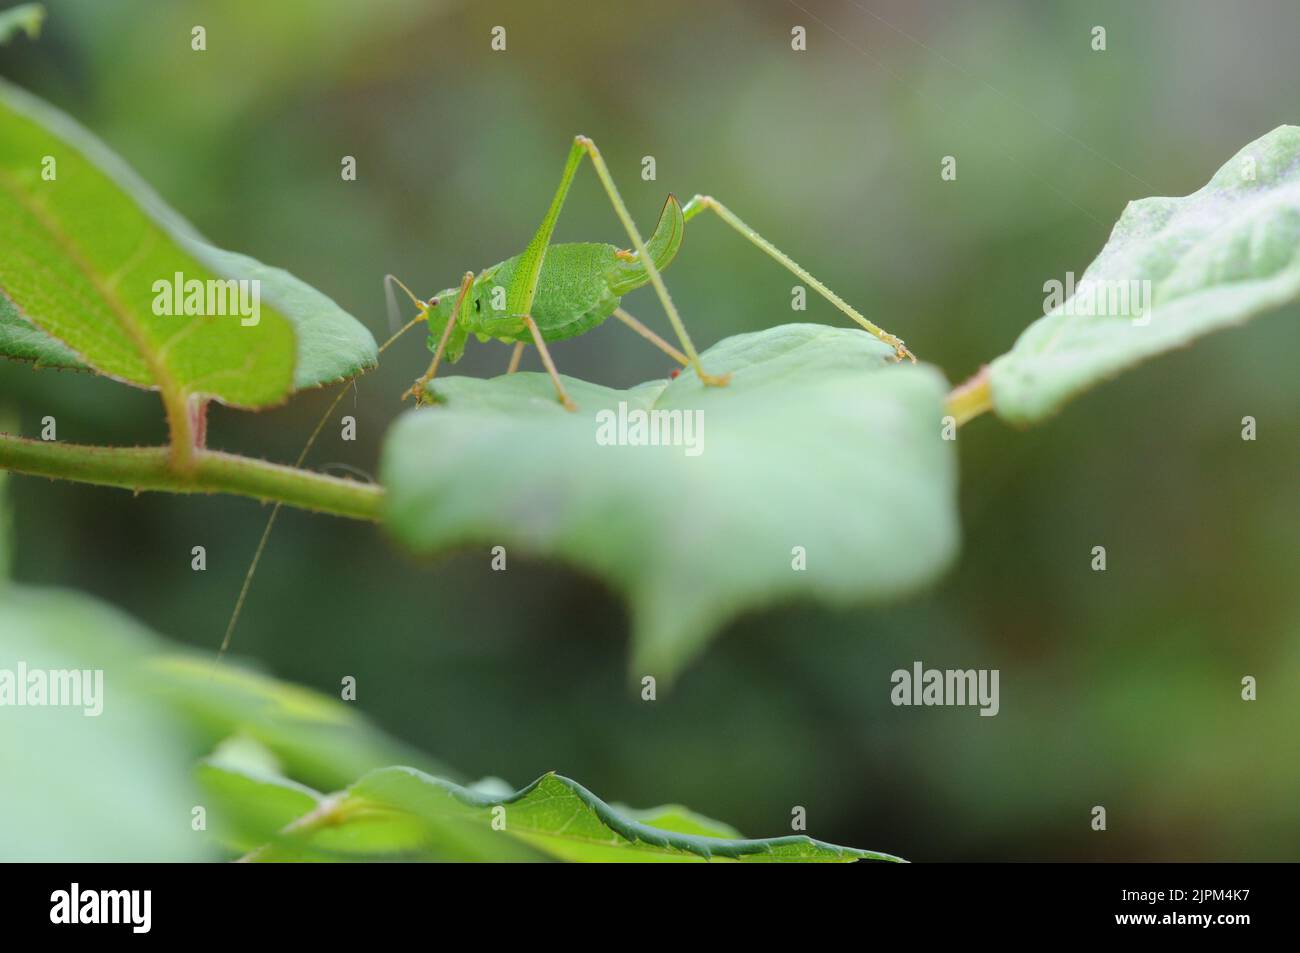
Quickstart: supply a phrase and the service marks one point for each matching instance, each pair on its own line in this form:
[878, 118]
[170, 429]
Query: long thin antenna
[275, 511]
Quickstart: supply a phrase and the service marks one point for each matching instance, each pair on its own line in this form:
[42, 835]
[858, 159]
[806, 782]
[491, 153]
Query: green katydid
[552, 292]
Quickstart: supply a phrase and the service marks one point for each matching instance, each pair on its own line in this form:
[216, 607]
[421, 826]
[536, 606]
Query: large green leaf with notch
[1214, 259]
[82, 253]
[405, 812]
[821, 441]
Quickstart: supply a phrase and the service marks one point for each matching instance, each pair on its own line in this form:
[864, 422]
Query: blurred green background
[1118, 688]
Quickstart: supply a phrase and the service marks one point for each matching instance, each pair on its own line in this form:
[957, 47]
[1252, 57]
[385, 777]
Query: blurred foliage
[108, 779]
[1119, 688]
[97, 751]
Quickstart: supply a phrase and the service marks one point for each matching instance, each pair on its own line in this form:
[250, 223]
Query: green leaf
[563, 820]
[23, 341]
[26, 18]
[679, 820]
[1214, 259]
[80, 786]
[331, 344]
[820, 441]
[85, 248]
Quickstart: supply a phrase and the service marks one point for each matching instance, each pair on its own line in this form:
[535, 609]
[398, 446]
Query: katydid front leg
[701, 203]
[418, 388]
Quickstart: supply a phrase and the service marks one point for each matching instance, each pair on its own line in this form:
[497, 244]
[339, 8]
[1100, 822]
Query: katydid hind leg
[523, 287]
[522, 291]
[653, 338]
[702, 203]
[647, 260]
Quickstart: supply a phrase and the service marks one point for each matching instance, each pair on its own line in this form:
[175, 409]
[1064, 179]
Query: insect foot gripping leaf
[1173, 270]
[98, 272]
[820, 472]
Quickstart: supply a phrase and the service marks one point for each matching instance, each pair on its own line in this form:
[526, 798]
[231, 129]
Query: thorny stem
[967, 401]
[207, 471]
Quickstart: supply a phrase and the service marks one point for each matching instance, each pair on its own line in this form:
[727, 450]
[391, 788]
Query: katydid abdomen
[574, 294]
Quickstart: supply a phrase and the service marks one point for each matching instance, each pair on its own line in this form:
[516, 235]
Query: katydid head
[439, 310]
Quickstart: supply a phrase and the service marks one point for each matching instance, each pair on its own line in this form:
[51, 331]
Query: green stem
[180, 424]
[207, 471]
[967, 401]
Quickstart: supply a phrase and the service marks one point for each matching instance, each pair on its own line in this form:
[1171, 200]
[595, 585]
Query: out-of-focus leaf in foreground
[110, 774]
[1212, 259]
[822, 453]
[106, 779]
